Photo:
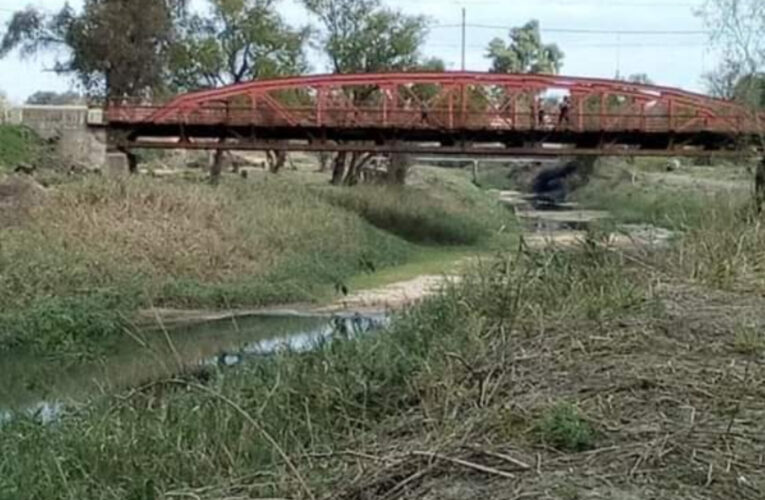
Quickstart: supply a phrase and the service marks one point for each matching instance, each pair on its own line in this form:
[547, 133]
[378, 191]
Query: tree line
[155, 48]
[152, 49]
[119, 49]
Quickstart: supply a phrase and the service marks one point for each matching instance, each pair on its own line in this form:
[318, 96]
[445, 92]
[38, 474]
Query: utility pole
[463, 38]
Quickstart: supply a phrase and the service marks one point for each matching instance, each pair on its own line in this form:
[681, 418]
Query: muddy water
[38, 386]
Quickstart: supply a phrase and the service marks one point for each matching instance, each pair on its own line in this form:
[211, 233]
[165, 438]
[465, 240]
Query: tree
[362, 36]
[115, 48]
[738, 30]
[721, 82]
[238, 40]
[525, 53]
[44, 97]
[749, 90]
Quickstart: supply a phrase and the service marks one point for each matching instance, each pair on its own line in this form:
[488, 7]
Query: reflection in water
[41, 388]
[44, 411]
[338, 326]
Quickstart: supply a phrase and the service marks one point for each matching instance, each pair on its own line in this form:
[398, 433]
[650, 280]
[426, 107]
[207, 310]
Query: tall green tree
[114, 48]
[363, 36]
[525, 52]
[237, 40]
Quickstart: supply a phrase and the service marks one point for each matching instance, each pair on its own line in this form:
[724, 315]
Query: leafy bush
[564, 428]
[18, 145]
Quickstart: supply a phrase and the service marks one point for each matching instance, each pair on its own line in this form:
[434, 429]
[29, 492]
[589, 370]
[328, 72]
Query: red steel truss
[452, 110]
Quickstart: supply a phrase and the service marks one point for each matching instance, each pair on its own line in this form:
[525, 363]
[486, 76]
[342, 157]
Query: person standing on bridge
[565, 110]
[541, 113]
[423, 113]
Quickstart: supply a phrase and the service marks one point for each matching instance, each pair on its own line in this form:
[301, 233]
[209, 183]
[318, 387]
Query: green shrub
[18, 145]
[564, 428]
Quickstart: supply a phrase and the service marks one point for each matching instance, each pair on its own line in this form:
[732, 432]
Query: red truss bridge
[441, 113]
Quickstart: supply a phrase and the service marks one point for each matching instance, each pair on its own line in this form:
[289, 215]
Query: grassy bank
[587, 373]
[547, 371]
[79, 259]
[182, 437]
[720, 241]
[644, 192]
[18, 145]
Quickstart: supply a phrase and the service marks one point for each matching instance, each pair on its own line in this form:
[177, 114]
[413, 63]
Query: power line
[601, 4]
[572, 46]
[581, 30]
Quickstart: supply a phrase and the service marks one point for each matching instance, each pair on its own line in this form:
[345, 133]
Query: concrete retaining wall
[76, 130]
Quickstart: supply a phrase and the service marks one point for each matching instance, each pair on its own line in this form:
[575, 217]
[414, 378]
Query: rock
[673, 165]
[24, 168]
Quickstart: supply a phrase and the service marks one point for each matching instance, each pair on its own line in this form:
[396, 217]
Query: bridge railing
[434, 118]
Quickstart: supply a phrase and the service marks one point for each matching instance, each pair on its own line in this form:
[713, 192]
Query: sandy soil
[391, 297]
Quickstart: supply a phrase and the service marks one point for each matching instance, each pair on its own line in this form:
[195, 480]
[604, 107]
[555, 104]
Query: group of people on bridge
[542, 118]
[564, 113]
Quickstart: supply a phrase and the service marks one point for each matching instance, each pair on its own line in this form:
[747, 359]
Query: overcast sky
[677, 57]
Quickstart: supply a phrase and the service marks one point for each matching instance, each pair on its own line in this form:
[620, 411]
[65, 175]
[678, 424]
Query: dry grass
[90, 252]
[194, 231]
[676, 407]
[727, 251]
[99, 245]
[584, 374]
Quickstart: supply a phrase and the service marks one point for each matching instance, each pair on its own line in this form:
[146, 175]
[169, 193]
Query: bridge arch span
[448, 107]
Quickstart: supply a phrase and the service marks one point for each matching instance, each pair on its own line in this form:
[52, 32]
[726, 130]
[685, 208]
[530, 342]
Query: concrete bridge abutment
[76, 131]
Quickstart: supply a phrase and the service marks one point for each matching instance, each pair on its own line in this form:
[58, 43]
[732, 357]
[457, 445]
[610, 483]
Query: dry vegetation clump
[92, 251]
[190, 230]
[18, 195]
[76, 264]
[666, 407]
